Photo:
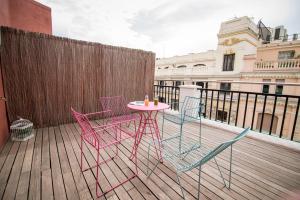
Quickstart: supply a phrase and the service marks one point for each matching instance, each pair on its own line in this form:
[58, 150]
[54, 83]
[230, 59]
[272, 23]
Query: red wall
[26, 14]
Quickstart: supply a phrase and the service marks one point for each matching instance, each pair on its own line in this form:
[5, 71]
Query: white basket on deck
[21, 130]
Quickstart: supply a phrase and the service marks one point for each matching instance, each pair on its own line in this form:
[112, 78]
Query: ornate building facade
[247, 58]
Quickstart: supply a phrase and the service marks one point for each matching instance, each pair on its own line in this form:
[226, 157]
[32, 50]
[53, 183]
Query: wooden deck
[47, 167]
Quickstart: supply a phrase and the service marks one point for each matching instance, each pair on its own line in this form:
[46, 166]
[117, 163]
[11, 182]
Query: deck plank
[58, 184]
[35, 175]
[14, 176]
[82, 188]
[67, 175]
[23, 185]
[47, 189]
[5, 171]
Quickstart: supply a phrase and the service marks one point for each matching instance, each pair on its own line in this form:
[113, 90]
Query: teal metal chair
[194, 158]
[189, 111]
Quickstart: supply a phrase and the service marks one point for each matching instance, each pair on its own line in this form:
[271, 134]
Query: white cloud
[167, 27]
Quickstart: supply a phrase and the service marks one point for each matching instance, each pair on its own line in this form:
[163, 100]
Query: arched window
[199, 65]
[181, 66]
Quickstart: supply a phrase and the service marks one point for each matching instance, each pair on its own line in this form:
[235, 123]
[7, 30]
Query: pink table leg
[146, 120]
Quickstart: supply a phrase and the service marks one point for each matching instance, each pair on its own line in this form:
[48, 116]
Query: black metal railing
[268, 113]
[168, 94]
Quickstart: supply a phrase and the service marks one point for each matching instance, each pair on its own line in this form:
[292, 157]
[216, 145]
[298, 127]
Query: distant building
[240, 55]
[267, 59]
[27, 15]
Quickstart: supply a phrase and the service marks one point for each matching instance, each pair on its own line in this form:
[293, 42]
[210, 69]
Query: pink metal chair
[119, 111]
[101, 136]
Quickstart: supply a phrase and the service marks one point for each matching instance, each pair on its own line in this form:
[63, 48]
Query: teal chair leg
[200, 131]
[180, 138]
[220, 172]
[199, 181]
[148, 174]
[180, 185]
[230, 166]
[230, 169]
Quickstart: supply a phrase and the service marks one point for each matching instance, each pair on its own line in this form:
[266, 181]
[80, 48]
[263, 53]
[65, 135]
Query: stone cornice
[244, 31]
[175, 77]
[270, 74]
[233, 41]
[281, 45]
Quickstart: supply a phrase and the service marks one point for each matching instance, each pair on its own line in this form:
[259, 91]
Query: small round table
[148, 119]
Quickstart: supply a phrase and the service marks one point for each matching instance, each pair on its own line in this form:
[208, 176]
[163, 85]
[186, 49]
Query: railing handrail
[167, 86]
[238, 82]
[278, 60]
[254, 93]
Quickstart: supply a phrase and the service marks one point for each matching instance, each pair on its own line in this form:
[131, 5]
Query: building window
[225, 86]
[177, 83]
[198, 83]
[286, 54]
[277, 34]
[228, 62]
[221, 115]
[161, 83]
[266, 87]
[199, 65]
[279, 88]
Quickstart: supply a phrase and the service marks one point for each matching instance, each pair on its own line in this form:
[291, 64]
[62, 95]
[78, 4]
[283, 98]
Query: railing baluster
[263, 113]
[201, 93]
[175, 100]
[159, 91]
[273, 114]
[283, 116]
[230, 105]
[295, 120]
[206, 92]
[211, 102]
[217, 105]
[165, 94]
[237, 108]
[224, 99]
[168, 95]
[254, 108]
[245, 112]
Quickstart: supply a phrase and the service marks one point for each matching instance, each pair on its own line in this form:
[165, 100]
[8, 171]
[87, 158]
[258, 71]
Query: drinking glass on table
[155, 100]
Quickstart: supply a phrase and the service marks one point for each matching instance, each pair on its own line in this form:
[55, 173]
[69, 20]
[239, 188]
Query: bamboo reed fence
[44, 75]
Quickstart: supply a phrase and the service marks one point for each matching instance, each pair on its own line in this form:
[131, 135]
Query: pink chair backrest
[83, 122]
[116, 104]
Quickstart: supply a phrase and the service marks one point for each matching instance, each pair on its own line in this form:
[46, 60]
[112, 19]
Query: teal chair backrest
[191, 107]
[221, 148]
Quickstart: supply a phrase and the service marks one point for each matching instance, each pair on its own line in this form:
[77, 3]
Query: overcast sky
[166, 27]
